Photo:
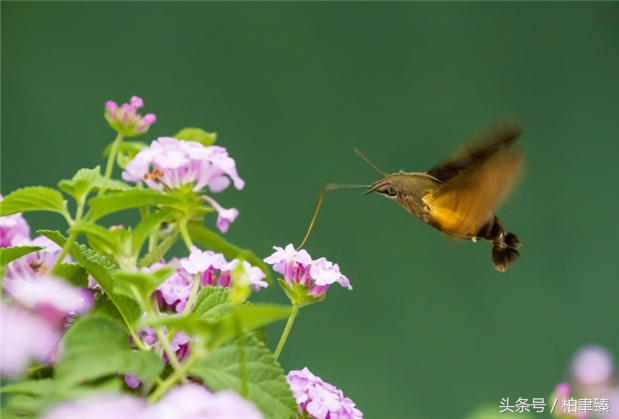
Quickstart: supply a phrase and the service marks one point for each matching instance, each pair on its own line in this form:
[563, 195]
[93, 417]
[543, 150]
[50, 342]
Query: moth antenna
[374, 165]
[329, 187]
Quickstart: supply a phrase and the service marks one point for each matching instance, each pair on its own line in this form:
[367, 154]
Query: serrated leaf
[99, 236]
[119, 201]
[102, 270]
[212, 303]
[215, 242]
[32, 198]
[145, 227]
[158, 252]
[82, 183]
[9, 254]
[102, 345]
[246, 364]
[144, 283]
[74, 274]
[197, 135]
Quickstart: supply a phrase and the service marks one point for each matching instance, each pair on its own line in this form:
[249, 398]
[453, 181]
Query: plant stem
[172, 378]
[65, 250]
[192, 296]
[110, 163]
[282, 340]
[185, 234]
[168, 350]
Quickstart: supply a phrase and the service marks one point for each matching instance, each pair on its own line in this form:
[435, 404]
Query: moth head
[384, 187]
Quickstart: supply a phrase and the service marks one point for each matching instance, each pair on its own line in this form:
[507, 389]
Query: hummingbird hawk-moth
[458, 196]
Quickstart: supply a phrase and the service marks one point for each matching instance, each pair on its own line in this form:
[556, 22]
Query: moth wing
[500, 137]
[463, 205]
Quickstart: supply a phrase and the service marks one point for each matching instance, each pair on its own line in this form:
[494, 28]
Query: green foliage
[82, 183]
[142, 284]
[197, 135]
[149, 223]
[102, 270]
[123, 200]
[103, 346]
[215, 328]
[246, 366]
[74, 274]
[86, 181]
[9, 254]
[158, 252]
[99, 237]
[214, 241]
[33, 198]
[212, 303]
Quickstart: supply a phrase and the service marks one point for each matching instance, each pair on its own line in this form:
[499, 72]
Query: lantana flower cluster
[125, 118]
[305, 280]
[171, 164]
[318, 399]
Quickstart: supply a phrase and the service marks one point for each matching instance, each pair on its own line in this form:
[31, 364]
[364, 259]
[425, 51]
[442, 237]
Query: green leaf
[9, 254]
[104, 205]
[212, 303]
[102, 270]
[145, 227]
[158, 252]
[215, 330]
[96, 347]
[246, 366]
[145, 283]
[198, 135]
[32, 198]
[215, 242]
[99, 237]
[245, 318]
[82, 183]
[74, 274]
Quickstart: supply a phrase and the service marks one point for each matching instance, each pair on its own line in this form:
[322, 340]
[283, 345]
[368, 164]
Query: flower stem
[185, 234]
[110, 163]
[192, 296]
[65, 250]
[282, 340]
[163, 339]
[172, 378]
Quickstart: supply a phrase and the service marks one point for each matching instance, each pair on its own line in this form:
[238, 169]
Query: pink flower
[169, 163]
[224, 216]
[118, 406]
[52, 298]
[592, 365]
[194, 401]
[36, 263]
[298, 268]
[25, 336]
[125, 119]
[320, 400]
[13, 229]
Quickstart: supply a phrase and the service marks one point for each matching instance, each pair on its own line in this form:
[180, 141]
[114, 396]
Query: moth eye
[390, 191]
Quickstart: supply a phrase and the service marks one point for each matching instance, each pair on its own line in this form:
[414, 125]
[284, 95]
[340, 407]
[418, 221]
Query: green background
[430, 330]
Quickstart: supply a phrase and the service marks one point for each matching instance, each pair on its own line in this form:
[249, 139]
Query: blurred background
[430, 330]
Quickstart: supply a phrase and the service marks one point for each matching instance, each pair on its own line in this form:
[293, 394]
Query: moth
[459, 195]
